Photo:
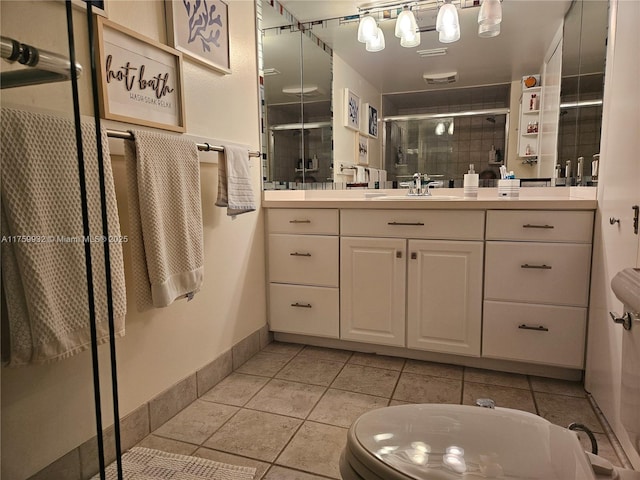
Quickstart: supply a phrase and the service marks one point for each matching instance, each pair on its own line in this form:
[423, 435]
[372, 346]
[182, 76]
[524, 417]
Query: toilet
[446, 442]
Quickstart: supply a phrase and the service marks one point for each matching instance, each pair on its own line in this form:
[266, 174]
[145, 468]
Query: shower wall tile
[209, 375]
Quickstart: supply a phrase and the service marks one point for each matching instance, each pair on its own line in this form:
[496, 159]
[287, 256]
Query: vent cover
[308, 91]
[271, 71]
[440, 78]
[434, 52]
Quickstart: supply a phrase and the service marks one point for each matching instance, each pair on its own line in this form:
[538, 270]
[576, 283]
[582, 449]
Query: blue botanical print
[204, 24]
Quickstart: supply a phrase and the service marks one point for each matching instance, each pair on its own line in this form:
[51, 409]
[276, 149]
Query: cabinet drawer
[427, 224]
[304, 221]
[540, 225]
[534, 333]
[555, 273]
[304, 310]
[303, 259]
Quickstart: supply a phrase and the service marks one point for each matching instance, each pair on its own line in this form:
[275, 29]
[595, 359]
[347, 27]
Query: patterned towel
[234, 181]
[165, 217]
[43, 248]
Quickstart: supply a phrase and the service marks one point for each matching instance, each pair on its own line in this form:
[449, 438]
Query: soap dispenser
[470, 183]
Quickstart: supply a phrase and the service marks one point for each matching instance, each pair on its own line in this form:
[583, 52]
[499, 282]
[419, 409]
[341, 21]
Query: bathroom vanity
[489, 282]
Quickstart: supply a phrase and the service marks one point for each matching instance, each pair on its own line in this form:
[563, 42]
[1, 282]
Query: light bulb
[376, 44]
[405, 23]
[367, 29]
[447, 17]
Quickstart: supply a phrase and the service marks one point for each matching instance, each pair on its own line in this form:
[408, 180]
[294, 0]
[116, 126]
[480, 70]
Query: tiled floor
[286, 411]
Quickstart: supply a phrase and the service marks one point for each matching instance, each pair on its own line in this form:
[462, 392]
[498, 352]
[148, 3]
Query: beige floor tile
[516, 398]
[563, 410]
[377, 361]
[237, 389]
[559, 387]
[258, 435]
[341, 408]
[292, 399]
[490, 377]
[265, 364]
[281, 473]
[399, 402]
[282, 348]
[222, 457]
[310, 370]
[315, 448]
[433, 369]
[321, 353]
[167, 445]
[197, 422]
[369, 380]
[416, 388]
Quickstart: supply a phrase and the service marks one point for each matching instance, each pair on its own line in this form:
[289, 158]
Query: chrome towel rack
[46, 67]
[203, 147]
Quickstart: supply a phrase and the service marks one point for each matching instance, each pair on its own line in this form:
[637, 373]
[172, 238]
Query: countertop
[530, 198]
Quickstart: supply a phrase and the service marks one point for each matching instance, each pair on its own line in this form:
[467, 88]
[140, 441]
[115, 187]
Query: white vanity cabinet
[536, 286]
[303, 252]
[412, 278]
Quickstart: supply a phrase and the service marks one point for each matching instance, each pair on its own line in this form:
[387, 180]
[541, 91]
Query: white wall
[615, 246]
[344, 139]
[48, 410]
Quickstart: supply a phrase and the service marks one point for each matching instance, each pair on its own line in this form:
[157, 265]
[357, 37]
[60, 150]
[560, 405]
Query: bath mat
[146, 464]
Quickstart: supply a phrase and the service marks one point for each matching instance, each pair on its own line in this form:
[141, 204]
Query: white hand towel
[43, 245]
[374, 176]
[165, 217]
[234, 181]
[361, 176]
[382, 178]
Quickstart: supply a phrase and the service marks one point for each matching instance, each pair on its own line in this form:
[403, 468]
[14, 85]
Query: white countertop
[537, 198]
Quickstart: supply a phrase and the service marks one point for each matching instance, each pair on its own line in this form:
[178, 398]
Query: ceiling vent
[433, 52]
[270, 71]
[440, 78]
[308, 91]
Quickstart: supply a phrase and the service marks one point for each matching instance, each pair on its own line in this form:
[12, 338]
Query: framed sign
[98, 7]
[200, 30]
[351, 110]
[362, 150]
[372, 115]
[140, 79]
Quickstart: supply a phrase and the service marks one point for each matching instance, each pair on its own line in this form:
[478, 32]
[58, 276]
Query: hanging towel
[382, 178]
[165, 217]
[43, 248]
[234, 181]
[373, 176]
[361, 175]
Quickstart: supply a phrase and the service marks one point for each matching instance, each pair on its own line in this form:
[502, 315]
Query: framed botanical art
[351, 110]
[200, 30]
[362, 150]
[140, 79]
[372, 115]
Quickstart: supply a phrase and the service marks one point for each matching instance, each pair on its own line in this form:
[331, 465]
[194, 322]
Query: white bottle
[471, 181]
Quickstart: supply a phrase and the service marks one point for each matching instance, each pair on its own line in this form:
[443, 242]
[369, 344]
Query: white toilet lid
[435, 441]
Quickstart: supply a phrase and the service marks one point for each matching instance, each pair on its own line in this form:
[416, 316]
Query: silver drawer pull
[528, 225]
[298, 254]
[539, 328]
[540, 267]
[301, 305]
[299, 221]
[411, 224]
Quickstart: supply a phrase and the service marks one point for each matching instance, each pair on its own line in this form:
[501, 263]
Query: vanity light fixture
[440, 129]
[367, 29]
[406, 25]
[448, 23]
[489, 18]
[376, 44]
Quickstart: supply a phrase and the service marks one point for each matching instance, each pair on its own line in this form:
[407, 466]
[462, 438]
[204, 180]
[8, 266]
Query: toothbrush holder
[509, 188]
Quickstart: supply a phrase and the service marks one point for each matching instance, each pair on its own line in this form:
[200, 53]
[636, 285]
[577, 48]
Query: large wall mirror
[440, 106]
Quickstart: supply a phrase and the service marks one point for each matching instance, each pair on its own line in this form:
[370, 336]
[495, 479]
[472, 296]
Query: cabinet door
[444, 296]
[372, 290]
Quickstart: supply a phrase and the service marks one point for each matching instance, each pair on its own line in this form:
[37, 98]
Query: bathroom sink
[418, 197]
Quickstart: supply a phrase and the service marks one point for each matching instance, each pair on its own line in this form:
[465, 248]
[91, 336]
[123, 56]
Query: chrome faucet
[418, 189]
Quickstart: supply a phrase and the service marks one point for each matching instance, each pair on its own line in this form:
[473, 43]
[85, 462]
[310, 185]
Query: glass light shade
[410, 41]
[406, 23]
[490, 12]
[447, 17]
[450, 130]
[367, 29]
[440, 129]
[449, 35]
[488, 31]
[376, 44]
